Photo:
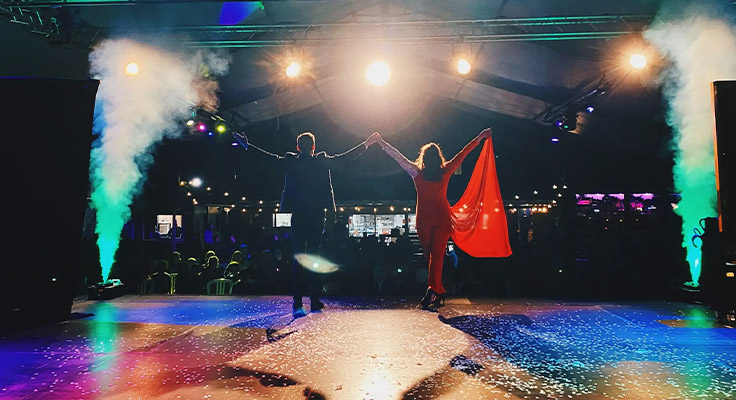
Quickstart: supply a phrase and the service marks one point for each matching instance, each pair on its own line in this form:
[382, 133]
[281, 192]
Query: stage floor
[198, 347]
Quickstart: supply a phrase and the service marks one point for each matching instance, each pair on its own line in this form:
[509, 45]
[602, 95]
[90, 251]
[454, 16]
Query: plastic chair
[223, 287]
[146, 286]
[173, 276]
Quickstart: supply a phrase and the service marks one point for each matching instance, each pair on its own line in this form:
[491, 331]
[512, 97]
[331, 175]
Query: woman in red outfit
[431, 174]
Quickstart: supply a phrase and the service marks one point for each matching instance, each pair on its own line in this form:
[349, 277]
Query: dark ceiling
[516, 82]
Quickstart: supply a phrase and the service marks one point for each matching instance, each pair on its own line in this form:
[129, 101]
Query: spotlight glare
[221, 128]
[293, 69]
[202, 127]
[315, 263]
[463, 66]
[196, 182]
[190, 122]
[590, 109]
[378, 73]
[638, 61]
[555, 140]
[131, 69]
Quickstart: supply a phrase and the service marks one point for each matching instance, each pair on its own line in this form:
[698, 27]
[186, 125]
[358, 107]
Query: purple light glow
[644, 196]
[202, 127]
[233, 13]
[619, 196]
[555, 140]
[595, 196]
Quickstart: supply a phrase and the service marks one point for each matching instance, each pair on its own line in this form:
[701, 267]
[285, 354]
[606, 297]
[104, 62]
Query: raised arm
[351, 154]
[459, 157]
[403, 162]
[243, 141]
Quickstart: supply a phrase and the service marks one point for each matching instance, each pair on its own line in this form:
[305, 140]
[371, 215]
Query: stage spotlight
[190, 122]
[463, 66]
[131, 69]
[378, 73]
[221, 128]
[555, 140]
[196, 182]
[590, 109]
[638, 61]
[201, 127]
[293, 69]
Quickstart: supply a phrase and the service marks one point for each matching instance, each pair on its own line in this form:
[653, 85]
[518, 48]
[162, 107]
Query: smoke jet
[144, 95]
[701, 49]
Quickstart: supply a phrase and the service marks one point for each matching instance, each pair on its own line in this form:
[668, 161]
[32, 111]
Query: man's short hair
[305, 141]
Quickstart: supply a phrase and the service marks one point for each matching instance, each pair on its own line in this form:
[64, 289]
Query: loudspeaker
[724, 103]
[47, 129]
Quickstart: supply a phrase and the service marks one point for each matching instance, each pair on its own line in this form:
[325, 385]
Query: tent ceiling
[524, 66]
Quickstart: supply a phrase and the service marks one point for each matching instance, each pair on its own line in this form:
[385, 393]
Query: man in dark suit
[307, 194]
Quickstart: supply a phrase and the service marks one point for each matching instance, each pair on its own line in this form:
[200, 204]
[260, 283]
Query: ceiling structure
[524, 65]
[532, 61]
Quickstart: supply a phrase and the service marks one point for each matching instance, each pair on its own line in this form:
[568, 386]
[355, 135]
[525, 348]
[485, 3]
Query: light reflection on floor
[186, 347]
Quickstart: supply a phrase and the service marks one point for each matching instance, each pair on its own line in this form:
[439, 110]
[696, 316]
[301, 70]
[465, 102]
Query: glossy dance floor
[161, 347]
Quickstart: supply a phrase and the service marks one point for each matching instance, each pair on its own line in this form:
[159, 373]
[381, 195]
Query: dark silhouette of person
[161, 279]
[452, 259]
[208, 237]
[307, 194]
[211, 270]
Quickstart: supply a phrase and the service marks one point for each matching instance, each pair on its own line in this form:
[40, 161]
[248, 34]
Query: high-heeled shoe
[427, 299]
[438, 300]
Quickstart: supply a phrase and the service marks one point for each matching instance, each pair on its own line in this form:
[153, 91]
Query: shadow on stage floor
[168, 347]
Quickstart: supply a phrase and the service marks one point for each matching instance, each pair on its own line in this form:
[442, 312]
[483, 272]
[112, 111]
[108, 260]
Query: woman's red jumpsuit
[434, 222]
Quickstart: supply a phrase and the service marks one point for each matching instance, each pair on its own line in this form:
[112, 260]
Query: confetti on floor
[198, 347]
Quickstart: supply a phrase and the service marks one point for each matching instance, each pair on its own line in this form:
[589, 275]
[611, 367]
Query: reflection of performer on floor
[307, 194]
[431, 174]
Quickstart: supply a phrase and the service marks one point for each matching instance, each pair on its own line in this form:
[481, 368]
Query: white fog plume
[145, 93]
[700, 49]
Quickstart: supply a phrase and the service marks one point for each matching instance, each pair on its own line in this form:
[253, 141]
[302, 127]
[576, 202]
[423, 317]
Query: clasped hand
[373, 138]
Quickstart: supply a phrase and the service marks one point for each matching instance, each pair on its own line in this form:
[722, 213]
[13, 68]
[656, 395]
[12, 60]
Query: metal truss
[411, 32]
[41, 16]
[38, 21]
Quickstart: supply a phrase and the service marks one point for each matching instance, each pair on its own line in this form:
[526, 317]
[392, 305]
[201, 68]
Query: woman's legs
[436, 245]
[425, 235]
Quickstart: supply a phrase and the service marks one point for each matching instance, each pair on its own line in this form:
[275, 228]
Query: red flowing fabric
[478, 219]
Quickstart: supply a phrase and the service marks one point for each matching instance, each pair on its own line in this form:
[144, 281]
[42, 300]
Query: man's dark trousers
[306, 231]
